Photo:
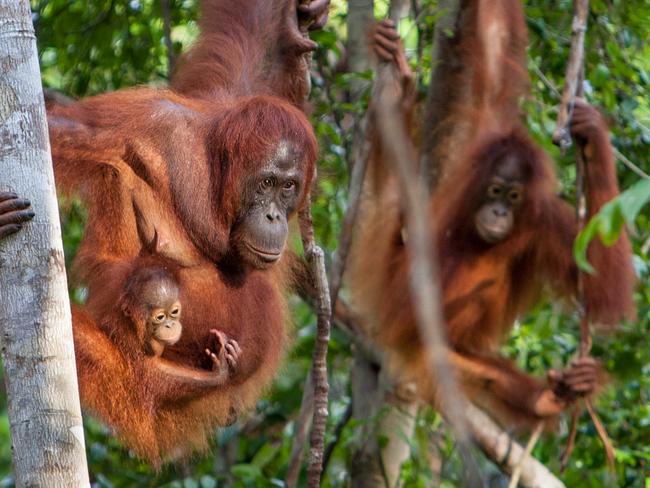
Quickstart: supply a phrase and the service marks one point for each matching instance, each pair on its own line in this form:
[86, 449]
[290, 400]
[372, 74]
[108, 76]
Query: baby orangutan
[151, 300]
[126, 361]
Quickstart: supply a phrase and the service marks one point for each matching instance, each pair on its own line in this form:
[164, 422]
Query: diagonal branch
[424, 282]
[519, 468]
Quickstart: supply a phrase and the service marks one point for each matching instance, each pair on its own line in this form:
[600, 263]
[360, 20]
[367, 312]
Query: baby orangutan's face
[164, 317]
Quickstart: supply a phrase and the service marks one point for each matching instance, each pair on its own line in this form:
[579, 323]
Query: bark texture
[37, 346]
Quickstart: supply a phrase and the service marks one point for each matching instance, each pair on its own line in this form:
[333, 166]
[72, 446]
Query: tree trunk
[360, 17]
[365, 468]
[37, 350]
[387, 410]
[396, 426]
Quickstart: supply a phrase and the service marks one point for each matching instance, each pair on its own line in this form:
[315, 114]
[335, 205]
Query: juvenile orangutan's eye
[494, 191]
[514, 196]
[160, 317]
[174, 312]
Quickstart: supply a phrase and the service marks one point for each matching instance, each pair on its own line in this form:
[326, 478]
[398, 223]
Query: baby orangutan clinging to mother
[502, 234]
[151, 299]
[130, 343]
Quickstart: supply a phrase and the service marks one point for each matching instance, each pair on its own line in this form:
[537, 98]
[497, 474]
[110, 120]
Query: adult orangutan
[501, 232]
[217, 165]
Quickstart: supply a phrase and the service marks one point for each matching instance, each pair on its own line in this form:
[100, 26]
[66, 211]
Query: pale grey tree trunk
[396, 426]
[360, 17]
[365, 467]
[37, 346]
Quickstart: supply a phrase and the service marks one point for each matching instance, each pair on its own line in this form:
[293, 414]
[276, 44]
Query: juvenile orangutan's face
[505, 193]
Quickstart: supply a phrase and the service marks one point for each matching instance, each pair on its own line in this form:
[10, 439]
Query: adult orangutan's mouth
[267, 256]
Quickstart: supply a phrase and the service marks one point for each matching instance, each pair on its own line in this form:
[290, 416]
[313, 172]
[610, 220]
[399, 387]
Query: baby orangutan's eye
[494, 191]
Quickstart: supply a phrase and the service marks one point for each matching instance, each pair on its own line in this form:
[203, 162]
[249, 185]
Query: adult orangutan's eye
[266, 184]
[289, 185]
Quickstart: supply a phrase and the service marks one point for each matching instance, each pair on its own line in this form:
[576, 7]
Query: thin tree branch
[630, 165]
[627, 162]
[424, 284]
[498, 446]
[337, 272]
[562, 134]
[360, 156]
[316, 259]
[167, 32]
[571, 440]
[344, 320]
[516, 473]
[562, 137]
[602, 433]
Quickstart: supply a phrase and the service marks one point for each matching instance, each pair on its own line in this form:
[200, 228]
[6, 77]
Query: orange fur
[480, 67]
[176, 162]
[486, 287]
[228, 57]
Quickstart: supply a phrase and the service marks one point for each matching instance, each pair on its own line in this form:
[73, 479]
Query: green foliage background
[91, 47]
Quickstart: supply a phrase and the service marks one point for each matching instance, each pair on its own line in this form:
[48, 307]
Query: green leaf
[581, 244]
[634, 199]
[265, 455]
[247, 472]
[608, 222]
